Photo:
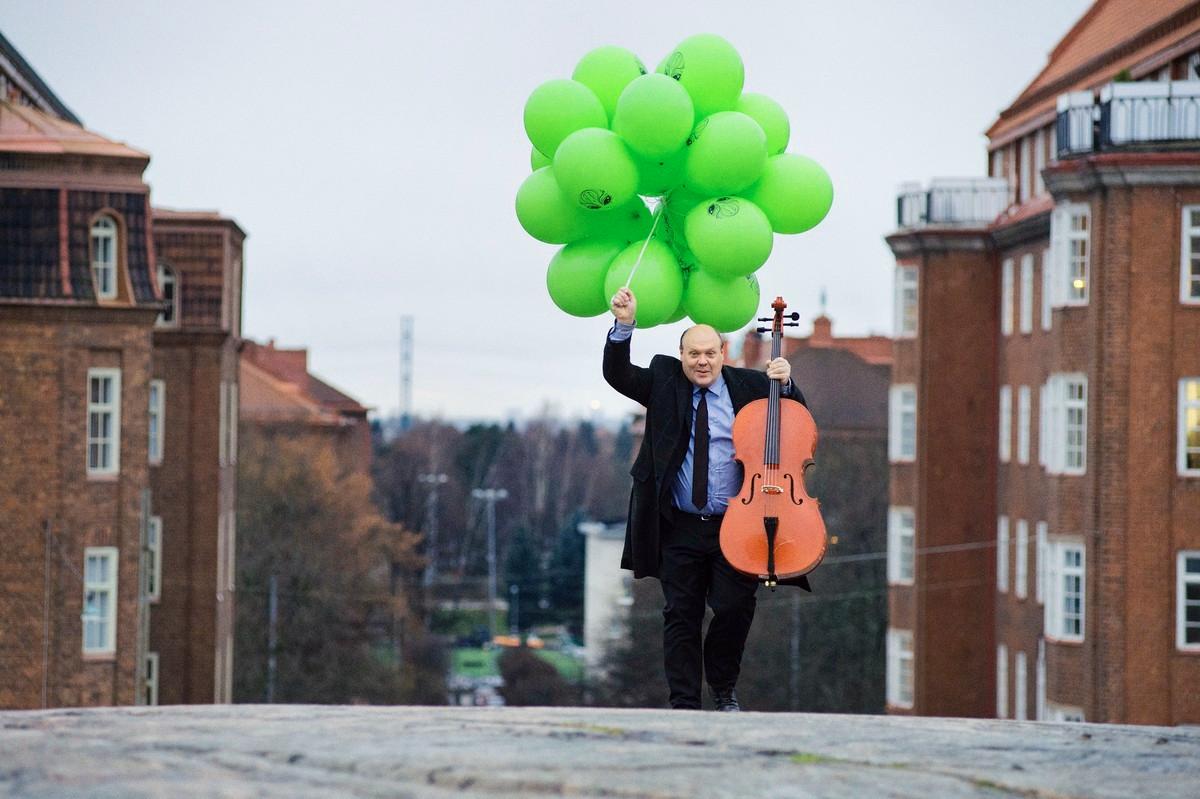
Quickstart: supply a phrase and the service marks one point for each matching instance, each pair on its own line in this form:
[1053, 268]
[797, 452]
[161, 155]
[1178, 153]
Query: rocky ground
[310, 751]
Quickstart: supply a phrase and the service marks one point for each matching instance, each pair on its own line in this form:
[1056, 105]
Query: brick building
[115, 370]
[1044, 537]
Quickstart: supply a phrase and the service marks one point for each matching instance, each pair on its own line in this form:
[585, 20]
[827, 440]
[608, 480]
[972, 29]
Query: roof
[25, 72]
[1111, 36]
[26, 130]
[277, 387]
[843, 391]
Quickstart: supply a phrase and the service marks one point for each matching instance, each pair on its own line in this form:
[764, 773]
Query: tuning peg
[794, 315]
[791, 324]
[766, 319]
[762, 330]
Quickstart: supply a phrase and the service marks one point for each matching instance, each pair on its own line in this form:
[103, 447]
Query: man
[683, 478]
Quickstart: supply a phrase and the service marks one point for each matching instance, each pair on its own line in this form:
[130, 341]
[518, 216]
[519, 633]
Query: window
[104, 257]
[1005, 423]
[1043, 426]
[1039, 565]
[902, 428]
[1002, 554]
[150, 696]
[1023, 412]
[1188, 444]
[170, 291]
[1020, 687]
[1192, 71]
[1039, 161]
[223, 424]
[1064, 614]
[232, 451]
[1021, 563]
[1047, 318]
[1041, 680]
[1070, 226]
[158, 391]
[1055, 712]
[1066, 424]
[154, 559]
[230, 550]
[1001, 681]
[1187, 602]
[906, 301]
[997, 164]
[1006, 297]
[104, 422]
[100, 601]
[900, 545]
[1026, 169]
[1027, 293]
[899, 668]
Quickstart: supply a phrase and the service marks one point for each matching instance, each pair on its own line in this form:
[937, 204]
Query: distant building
[607, 592]
[1045, 405]
[118, 370]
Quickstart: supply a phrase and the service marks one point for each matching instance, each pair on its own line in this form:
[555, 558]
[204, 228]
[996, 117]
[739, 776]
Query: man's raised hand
[624, 306]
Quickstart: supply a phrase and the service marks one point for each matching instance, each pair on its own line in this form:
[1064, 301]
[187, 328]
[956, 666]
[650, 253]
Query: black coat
[666, 393]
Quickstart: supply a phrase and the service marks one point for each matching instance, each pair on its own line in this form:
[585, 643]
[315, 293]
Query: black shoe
[726, 701]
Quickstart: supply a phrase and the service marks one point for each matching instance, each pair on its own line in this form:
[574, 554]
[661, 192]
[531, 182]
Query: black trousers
[693, 573]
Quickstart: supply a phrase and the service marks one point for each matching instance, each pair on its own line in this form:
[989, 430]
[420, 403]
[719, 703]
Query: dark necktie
[700, 461]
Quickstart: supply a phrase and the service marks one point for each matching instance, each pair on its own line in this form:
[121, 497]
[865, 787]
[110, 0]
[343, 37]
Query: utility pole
[491, 496]
[272, 621]
[406, 369]
[514, 591]
[433, 480]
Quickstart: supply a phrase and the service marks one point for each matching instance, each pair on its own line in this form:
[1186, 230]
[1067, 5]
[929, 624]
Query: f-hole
[750, 495]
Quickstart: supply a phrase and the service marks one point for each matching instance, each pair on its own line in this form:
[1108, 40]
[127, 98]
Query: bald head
[702, 353]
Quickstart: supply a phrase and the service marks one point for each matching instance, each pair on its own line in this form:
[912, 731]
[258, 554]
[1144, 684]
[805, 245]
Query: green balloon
[679, 202]
[594, 168]
[726, 153]
[537, 160]
[629, 223]
[795, 193]
[607, 71]
[710, 69]
[558, 108]
[728, 304]
[658, 176]
[770, 116]
[576, 276]
[679, 313]
[730, 236]
[654, 116]
[657, 284]
[545, 213]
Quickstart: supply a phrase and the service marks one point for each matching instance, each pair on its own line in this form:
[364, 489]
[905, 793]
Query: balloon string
[657, 213]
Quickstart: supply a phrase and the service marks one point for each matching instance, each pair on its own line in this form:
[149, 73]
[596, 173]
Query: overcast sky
[372, 151]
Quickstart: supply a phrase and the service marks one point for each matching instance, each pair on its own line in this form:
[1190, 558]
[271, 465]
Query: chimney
[822, 334]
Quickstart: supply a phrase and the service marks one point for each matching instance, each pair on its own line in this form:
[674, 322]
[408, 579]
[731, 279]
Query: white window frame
[1006, 297]
[154, 533]
[1184, 578]
[1021, 560]
[1066, 416]
[1071, 225]
[101, 409]
[1002, 541]
[1026, 185]
[155, 421]
[1040, 708]
[103, 242]
[231, 551]
[167, 278]
[150, 697]
[902, 429]
[1005, 425]
[1026, 310]
[1067, 713]
[901, 545]
[1020, 687]
[105, 641]
[998, 163]
[231, 450]
[906, 301]
[1023, 412]
[900, 668]
[1189, 261]
[1187, 407]
[1058, 572]
[1039, 567]
[1047, 316]
[1001, 681]
[1043, 426]
[1039, 160]
[223, 424]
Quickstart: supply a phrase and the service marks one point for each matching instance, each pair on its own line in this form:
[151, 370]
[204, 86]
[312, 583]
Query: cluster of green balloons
[687, 134]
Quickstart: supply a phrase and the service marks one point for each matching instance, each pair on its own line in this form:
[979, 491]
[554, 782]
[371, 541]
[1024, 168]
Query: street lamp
[433, 480]
[491, 496]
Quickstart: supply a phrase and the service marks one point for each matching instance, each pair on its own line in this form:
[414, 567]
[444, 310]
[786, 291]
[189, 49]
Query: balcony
[951, 202]
[1140, 115]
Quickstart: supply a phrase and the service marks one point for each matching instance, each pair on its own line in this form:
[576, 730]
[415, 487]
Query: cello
[773, 529]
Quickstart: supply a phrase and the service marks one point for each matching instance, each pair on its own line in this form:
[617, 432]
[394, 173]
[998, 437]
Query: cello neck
[771, 446]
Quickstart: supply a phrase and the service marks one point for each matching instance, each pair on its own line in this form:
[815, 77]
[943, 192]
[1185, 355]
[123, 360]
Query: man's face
[702, 354]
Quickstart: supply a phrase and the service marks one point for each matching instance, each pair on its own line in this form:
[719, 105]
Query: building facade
[103, 430]
[1045, 409]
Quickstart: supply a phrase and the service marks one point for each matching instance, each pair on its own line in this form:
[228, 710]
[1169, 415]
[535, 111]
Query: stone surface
[309, 751]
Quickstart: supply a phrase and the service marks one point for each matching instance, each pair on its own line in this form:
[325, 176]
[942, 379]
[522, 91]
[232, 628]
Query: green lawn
[482, 663]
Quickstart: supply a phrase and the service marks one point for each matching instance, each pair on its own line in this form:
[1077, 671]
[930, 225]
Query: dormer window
[170, 294]
[104, 257]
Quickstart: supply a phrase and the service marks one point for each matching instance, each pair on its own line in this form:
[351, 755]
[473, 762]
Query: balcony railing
[954, 202]
[1138, 115]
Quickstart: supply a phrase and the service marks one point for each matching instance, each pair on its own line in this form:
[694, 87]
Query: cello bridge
[769, 489]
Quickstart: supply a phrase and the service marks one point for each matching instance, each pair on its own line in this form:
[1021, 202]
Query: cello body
[773, 528]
